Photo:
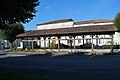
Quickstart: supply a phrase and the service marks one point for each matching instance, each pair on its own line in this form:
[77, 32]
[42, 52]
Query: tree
[13, 11]
[117, 21]
[11, 32]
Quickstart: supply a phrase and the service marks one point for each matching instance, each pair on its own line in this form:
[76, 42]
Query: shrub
[14, 48]
[52, 46]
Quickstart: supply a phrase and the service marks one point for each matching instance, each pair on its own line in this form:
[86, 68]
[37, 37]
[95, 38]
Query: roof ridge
[95, 21]
[55, 21]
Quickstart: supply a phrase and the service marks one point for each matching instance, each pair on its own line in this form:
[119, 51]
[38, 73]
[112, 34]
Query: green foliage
[52, 46]
[119, 46]
[110, 43]
[117, 21]
[14, 47]
[12, 11]
[11, 32]
[3, 35]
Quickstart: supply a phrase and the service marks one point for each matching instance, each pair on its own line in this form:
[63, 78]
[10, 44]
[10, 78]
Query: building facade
[4, 45]
[71, 34]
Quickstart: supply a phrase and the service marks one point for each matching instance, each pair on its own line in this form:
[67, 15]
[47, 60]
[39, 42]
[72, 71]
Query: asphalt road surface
[74, 67]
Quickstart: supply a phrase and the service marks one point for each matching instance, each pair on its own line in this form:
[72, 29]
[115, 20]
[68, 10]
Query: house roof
[56, 21]
[94, 29]
[94, 21]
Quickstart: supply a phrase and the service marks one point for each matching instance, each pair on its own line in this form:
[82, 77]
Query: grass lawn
[5, 75]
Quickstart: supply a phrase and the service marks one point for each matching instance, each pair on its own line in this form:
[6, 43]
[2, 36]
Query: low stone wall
[55, 52]
[88, 51]
[79, 50]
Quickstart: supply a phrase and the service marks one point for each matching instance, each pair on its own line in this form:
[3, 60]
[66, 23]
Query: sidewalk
[10, 55]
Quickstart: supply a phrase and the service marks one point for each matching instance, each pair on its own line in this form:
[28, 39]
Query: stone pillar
[58, 43]
[32, 43]
[39, 42]
[74, 43]
[112, 43]
[49, 42]
[83, 39]
[44, 43]
[92, 44]
[21, 43]
[96, 40]
[70, 43]
[26, 41]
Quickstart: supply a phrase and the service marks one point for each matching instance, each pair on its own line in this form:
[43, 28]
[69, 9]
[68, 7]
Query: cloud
[47, 7]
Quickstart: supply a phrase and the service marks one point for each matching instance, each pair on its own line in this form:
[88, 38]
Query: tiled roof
[56, 21]
[94, 21]
[94, 29]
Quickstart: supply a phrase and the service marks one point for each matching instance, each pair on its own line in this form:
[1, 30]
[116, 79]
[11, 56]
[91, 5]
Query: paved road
[73, 67]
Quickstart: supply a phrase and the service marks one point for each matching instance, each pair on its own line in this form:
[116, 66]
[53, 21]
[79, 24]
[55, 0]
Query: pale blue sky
[78, 10]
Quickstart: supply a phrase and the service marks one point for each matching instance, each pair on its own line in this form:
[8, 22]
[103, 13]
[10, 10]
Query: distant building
[4, 44]
[1, 40]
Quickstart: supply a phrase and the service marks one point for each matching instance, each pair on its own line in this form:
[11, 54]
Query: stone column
[92, 44]
[83, 39]
[49, 42]
[44, 43]
[58, 43]
[74, 43]
[112, 43]
[21, 43]
[70, 43]
[39, 42]
[32, 43]
[96, 40]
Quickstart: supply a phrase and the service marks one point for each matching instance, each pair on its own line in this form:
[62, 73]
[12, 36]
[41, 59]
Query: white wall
[91, 24]
[56, 25]
[117, 38]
